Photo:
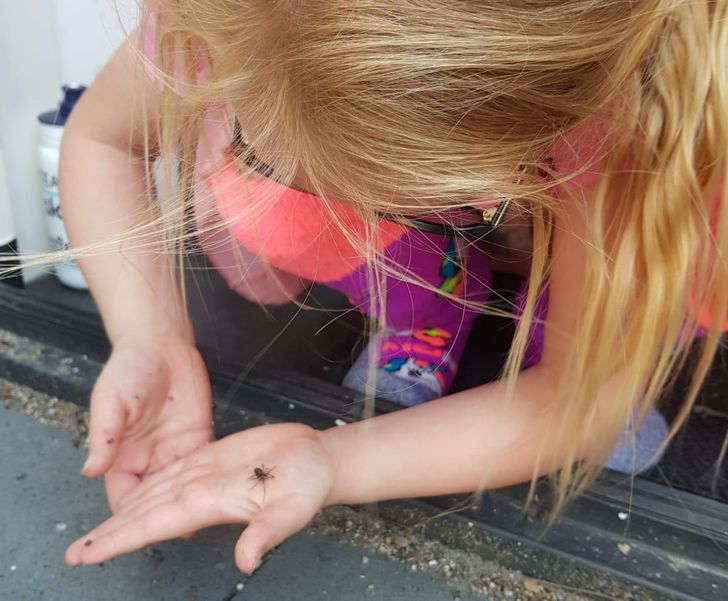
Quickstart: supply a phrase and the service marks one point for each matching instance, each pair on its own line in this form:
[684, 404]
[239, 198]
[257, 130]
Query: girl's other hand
[150, 406]
[273, 478]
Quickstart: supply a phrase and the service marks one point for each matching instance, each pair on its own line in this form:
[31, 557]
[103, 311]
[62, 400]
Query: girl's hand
[273, 478]
[150, 406]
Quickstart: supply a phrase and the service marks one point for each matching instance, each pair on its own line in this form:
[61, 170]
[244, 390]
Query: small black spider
[261, 474]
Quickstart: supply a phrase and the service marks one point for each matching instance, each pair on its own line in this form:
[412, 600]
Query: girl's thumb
[266, 530]
[106, 426]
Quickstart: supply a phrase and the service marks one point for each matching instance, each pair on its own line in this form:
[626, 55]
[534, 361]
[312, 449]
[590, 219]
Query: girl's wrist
[152, 332]
[128, 318]
[329, 440]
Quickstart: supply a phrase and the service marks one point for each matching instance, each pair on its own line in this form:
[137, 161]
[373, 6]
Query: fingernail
[87, 465]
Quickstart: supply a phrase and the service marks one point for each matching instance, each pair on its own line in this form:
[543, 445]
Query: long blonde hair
[408, 106]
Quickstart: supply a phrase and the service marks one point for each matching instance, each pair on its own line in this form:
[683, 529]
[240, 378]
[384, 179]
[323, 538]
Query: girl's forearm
[104, 195]
[134, 287]
[471, 440]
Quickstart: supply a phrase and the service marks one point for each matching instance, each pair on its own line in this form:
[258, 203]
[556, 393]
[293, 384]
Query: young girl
[314, 140]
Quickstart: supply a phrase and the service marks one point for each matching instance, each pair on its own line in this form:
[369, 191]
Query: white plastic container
[51, 132]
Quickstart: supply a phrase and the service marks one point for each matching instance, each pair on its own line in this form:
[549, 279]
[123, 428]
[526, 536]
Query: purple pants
[425, 330]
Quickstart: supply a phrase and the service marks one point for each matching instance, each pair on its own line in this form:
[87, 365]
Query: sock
[417, 356]
[413, 367]
[640, 453]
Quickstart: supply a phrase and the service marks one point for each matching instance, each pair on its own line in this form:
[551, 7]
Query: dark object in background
[71, 94]
[9, 258]
[8, 241]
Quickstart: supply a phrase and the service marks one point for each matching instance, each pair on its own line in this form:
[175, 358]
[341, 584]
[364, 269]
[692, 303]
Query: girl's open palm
[273, 478]
[150, 406]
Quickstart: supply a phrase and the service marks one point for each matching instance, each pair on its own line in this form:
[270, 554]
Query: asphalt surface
[45, 504]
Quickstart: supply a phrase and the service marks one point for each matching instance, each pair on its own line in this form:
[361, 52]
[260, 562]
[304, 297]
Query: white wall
[29, 84]
[87, 32]
[44, 43]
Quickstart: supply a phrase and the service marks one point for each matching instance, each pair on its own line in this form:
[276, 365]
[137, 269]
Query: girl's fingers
[118, 484]
[186, 505]
[106, 426]
[168, 520]
[183, 444]
[144, 506]
[164, 495]
[164, 518]
[172, 486]
[267, 529]
[113, 524]
[162, 477]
